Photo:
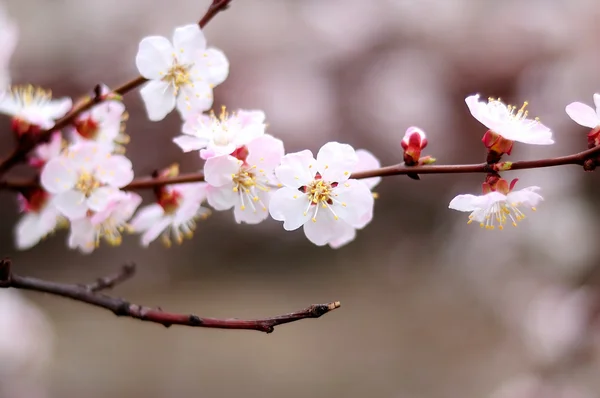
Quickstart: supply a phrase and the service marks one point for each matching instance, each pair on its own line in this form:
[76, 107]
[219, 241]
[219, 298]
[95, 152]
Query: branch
[89, 294]
[29, 142]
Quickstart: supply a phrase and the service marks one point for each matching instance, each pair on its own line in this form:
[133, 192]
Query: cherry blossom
[8, 41]
[104, 125]
[245, 183]
[85, 177]
[31, 106]
[221, 135]
[584, 114]
[496, 208]
[107, 224]
[181, 74]
[508, 122]
[40, 219]
[318, 195]
[47, 151]
[174, 216]
[366, 161]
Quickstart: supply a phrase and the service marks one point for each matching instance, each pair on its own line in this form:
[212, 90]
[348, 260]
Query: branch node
[124, 309]
[195, 320]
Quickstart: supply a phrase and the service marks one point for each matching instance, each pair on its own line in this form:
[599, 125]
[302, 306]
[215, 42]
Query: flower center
[500, 213]
[29, 95]
[87, 183]
[87, 128]
[223, 127]
[178, 75]
[170, 201]
[320, 194]
[248, 184]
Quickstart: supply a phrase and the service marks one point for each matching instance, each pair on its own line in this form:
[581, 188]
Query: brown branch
[89, 294]
[108, 282]
[25, 145]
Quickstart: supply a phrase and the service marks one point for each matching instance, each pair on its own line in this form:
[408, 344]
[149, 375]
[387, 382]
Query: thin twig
[398, 169]
[120, 307]
[110, 281]
[19, 154]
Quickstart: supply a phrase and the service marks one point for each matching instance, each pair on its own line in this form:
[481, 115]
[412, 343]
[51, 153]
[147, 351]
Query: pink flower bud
[413, 142]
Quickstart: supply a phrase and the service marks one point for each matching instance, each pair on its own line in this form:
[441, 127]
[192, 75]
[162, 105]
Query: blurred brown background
[431, 307]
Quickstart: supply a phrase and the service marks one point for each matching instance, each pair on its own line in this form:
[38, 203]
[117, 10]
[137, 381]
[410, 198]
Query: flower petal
[253, 212]
[527, 196]
[188, 143]
[297, 169]
[154, 57]
[223, 197]
[218, 66]
[116, 170]
[336, 161]
[265, 152]
[583, 114]
[155, 230]
[101, 197]
[57, 176]
[192, 100]
[219, 170]
[71, 204]
[289, 205]
[367, 161]
[27, 232]
[463, 203]
[159, 98]
[189, 43]
[597, 104]
[347, 235]
[353, 201]
[147, 217]
[324, 229]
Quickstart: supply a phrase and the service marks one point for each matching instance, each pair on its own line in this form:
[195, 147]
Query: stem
[89, 294]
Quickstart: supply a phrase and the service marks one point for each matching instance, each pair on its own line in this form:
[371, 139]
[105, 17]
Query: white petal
[527, 196]
[597, 104]
[57, 176]
[82, 236]
[367, 161]
[348, 234]
[219, 170]
[254, 212]
[297, 169]
[101, 197]
[218, 66]
[247, 117]
[354, 201]
[159, 98]
[27, 232]
[583, 114]
[155, 230]
[478, 109]
[71, 204]
[154, 56]
[336, 161]
[289, 205]
[188, 143]
[189, 43]
[324, 230]
[116, 170]
[147, 217]
[9, 105]
[57, 108]
[86, 155]
[463, 203]
[222, 198]
[265, 152]
[195, 99]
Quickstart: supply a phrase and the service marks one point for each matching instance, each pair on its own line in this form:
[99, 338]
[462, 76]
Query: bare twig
[19, 154]
[110, 281]
[89, 294]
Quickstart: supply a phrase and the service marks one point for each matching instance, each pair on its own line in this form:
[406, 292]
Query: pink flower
[107, 224]
[318, 195]
[413, 143]
[85, 177]
[175, 214]
[245, 184]
[366, 161]
[498, 207]
[507, 121]
[45, 152]
[215, 136]
[584, 114]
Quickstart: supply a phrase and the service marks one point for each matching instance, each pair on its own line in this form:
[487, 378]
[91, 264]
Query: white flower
[245, 184]
[183, 73]
[45, 152]
[318, 195]
[366, 161]
[215, 136]
[175, 214]
[107, 224]
[584, 114]
[103, 124]
[507, 121]
[33, 106]
[40, 219]
[8, 41]
[85, 177]
[498, 207]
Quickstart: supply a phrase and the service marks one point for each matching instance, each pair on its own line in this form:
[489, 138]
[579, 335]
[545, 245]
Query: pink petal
[146, 217]
[57, 177]
[155, 230]
[116, 171]
[354, 201]
[583, 114]
[101, 197]
[218, 171]
[289, 205]
[336, 161]
[188, 143]
[72, 204]
[265, 152]
[297, 169]
[222, 198]
[367, 161]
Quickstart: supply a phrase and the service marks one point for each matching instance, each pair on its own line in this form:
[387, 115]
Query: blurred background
[431, 307]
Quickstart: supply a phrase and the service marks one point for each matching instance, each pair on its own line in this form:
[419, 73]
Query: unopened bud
[413, 142]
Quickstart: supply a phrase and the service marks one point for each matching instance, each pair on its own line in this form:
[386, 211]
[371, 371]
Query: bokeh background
[431, 307]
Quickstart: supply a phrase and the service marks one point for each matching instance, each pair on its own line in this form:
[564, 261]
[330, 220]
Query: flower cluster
[84, 175]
